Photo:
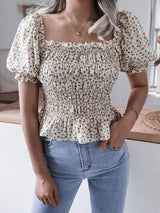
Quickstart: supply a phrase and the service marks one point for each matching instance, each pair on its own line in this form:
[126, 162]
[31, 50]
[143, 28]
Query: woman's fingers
[46, 190]
[113, 146]
[109, 143]
[103, 145]
[52, 200]
[38, 197]
[46, 201]
[42, 200]
[56, 195]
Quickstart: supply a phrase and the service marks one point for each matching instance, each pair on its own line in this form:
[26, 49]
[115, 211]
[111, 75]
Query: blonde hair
[157, 62]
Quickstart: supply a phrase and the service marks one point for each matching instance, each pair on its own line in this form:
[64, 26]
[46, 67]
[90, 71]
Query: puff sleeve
[136, 52]
[24, 56]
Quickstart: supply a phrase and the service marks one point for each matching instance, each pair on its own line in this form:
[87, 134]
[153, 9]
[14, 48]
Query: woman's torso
[76, 80]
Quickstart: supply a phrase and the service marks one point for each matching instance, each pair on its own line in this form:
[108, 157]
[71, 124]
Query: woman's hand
[46, 190]
[119, 131]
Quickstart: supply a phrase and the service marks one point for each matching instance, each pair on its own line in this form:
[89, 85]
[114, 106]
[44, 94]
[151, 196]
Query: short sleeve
[24, 55]
[136, 52]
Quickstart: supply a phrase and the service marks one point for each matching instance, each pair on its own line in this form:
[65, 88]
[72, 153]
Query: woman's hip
[70, 158]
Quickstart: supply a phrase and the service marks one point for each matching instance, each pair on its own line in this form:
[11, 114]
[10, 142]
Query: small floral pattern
[77, 78]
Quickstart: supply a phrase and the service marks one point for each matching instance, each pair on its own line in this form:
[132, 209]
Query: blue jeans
[69, 163]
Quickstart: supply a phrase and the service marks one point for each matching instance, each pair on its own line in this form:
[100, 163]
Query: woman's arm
[137, 97]
[138, 94]
[28, 99]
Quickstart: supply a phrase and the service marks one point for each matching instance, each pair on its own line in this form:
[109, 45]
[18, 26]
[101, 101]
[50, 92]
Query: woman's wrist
[130, 117]
[42, 175]
[130, 108]
[41, 171]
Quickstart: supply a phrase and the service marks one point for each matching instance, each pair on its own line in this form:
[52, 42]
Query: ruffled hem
[81, 129]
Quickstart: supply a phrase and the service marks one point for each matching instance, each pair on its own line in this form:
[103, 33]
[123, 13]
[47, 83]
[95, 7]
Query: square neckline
[88, 43]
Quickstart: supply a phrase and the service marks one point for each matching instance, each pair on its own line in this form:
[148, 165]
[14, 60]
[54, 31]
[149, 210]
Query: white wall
[10, 16]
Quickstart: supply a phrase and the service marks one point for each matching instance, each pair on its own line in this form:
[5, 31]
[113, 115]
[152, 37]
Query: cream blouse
[77, 78]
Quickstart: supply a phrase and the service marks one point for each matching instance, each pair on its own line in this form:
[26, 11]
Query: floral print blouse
[77, 78]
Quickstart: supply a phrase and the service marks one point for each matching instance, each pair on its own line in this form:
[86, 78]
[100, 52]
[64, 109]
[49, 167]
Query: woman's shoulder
[127, 18]
[29, 27]
[30, 21]
[125, 12]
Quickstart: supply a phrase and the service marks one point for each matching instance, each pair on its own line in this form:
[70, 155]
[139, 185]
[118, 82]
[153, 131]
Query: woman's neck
[80, 10]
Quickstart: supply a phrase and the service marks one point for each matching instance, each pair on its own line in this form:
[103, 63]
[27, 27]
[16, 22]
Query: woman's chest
[97, 67]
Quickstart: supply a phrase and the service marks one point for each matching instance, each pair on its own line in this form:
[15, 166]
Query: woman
[73, 51]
